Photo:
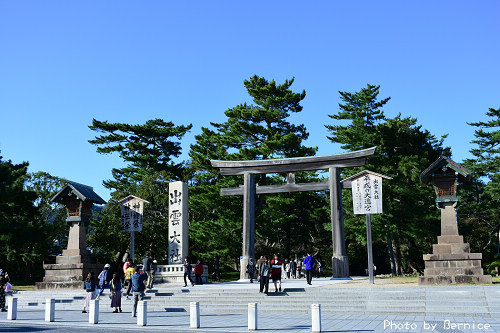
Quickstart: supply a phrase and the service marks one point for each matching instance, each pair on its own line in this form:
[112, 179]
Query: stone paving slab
[179, 322]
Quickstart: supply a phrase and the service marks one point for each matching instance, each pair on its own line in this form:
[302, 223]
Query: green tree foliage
[479, 212]
[404, 150]
[21, 231]
[150, 150]
[260, 130]
[147, 149]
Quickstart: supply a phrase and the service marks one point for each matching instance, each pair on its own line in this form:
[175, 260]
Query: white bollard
[142, 313]
[50, 309]
[252, 316]
[94, 312]
[194, 315]
[316, 317]
[12, 308]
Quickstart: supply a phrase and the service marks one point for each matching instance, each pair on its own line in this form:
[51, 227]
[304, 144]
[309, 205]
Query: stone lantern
[71, 268]
[451, 261]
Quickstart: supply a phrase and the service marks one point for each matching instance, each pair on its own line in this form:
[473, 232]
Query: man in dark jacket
[264, 273]
[138, 288]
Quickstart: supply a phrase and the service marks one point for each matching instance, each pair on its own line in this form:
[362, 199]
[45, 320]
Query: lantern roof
[441, 164]
[82, 192]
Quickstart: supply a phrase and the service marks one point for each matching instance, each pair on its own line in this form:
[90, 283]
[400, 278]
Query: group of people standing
[198, 271]
[273, 269]
[4, 279]
[136, 278]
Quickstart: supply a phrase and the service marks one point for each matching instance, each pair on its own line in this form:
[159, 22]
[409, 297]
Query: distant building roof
[442, 163]
[83, 192]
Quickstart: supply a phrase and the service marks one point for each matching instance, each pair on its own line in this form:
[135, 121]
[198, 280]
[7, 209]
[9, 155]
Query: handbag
[8, 286]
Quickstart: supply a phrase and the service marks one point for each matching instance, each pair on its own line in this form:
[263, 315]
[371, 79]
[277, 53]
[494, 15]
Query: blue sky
[63, 63]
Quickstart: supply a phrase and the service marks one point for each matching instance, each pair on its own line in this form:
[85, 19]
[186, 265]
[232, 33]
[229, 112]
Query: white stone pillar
[178, 240]
[50, 309]
[316, 317]
[252, 316]
[142, 313]
[12, 308]
[194, 315]
[94, 312]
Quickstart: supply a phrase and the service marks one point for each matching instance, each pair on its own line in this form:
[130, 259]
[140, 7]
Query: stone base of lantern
[69, 271]
[452, 263]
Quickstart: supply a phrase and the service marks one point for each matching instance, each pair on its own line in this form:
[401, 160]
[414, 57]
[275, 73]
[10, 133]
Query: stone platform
[452, 262]
[69, 271]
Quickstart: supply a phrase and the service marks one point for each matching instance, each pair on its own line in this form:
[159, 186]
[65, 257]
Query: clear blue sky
[63, 63]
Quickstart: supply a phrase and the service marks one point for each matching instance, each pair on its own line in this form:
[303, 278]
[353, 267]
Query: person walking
[138, 288]
[126, 265]
[147, 264]
[309, 266]
[276, 265]
[287, 269]
[264, 272]
[103, 280]
[258, 265]
[89, 285]
[128, 278]
[116, 293]
[198, 271]
[187, 271]
[4, 279]
[151, 275]
[251, 269]
[293, 269]
[319, 269]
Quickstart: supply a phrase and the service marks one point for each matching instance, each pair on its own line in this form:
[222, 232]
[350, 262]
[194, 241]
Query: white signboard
[367, 194]
[178, 240]
[131, 213]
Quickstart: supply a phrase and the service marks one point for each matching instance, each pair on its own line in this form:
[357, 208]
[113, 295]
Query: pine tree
[404, 150]
[260, 130]
[147, 148]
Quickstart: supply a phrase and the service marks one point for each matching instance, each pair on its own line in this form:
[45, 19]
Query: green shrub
[492, 266]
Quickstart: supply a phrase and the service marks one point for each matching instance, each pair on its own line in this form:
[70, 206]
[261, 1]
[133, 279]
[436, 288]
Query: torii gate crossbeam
[332, 163]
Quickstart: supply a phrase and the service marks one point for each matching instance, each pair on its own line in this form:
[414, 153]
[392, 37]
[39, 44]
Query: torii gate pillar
[340, 262]
[248, 223]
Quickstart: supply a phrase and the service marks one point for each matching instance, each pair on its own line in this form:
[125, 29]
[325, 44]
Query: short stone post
[50, 309]
[94, 311]
[252, 316]
[316, 317]
[194, 318]
[142, 314]
[12, 308]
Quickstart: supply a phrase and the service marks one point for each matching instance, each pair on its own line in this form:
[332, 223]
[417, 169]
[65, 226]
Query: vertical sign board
[367, 199]
[367, 194]
[178, 240]
[132, 209]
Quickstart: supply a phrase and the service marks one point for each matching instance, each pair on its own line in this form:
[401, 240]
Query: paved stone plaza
[352, 306]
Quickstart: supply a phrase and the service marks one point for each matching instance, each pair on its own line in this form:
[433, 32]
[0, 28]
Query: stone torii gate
[332, 163]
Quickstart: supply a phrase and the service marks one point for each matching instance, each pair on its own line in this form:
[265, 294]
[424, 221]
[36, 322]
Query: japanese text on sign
[131, 214]
[367, 194]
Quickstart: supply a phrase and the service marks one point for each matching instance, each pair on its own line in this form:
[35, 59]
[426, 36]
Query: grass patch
[23, 288]
[229, 276]
[399, 279]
